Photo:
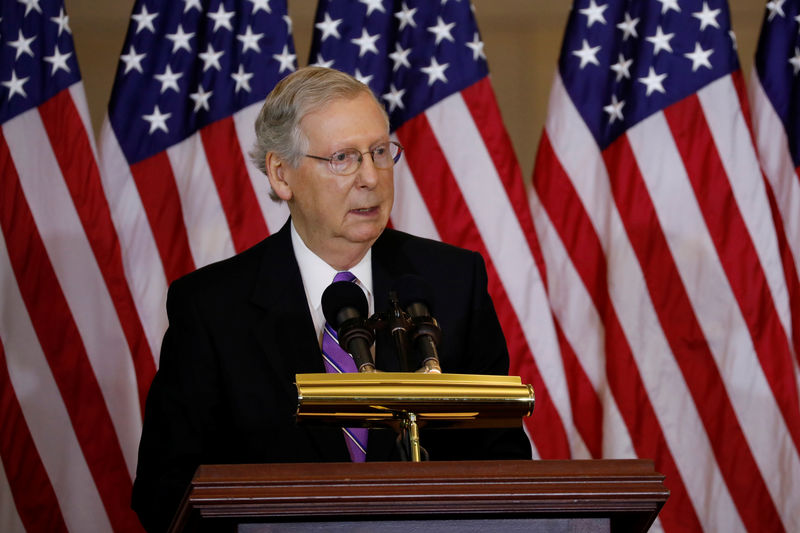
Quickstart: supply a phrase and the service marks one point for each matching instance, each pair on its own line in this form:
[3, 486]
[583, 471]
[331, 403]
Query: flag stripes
[33, 493]
[63, 341]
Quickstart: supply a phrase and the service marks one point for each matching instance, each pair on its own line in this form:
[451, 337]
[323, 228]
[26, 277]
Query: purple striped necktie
[337, 360]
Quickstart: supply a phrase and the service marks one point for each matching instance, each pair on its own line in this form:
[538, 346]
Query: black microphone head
[412, 289]
[341, 295]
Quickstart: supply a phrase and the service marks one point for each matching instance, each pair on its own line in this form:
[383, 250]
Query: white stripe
[44, 410]
[10, 522]
[78, 275]
[410, 213]
[79, 99]
[738, 155]
[275, 213]
[203, 215]
[716, 308]
[582, 327]
[628, 291]
[483, 191]
[140, 257]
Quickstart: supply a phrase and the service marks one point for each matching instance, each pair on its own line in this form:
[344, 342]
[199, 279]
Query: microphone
[416, 297]
[345, 308]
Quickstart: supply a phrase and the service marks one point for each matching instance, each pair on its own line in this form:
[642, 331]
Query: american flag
[191, 80]
[774, 93]
[459, 180]
[73, 357]
[663, 262]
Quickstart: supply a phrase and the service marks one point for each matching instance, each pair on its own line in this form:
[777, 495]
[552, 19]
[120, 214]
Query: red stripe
[161, 200]
[33, 494]
[73, 152]
[482, 105]
[575, 229]
[587, 410]
[687, 341]
[62, 345]
[456, 226]
[737, 254]
[224, 154]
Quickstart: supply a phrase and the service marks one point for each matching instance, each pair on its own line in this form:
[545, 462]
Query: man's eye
[380, 151]
[339, 157]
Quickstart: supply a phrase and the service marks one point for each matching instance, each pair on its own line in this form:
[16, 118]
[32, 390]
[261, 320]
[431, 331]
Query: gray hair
[306, 90]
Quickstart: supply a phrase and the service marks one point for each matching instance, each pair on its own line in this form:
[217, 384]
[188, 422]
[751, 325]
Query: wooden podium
[476, 496]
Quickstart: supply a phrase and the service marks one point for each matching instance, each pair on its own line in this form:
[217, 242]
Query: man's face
[334, 212]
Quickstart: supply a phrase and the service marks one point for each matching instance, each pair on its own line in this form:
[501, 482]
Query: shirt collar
[317, 274]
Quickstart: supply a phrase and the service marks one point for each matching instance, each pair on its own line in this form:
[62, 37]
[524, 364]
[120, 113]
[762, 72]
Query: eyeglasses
[347, 161]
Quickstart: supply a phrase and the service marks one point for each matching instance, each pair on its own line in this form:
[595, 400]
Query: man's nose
[367, 175]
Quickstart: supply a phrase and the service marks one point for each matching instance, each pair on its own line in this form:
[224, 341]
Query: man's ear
[277, 171]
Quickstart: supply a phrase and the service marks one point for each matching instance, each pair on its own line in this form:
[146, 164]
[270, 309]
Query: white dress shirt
[317, 275]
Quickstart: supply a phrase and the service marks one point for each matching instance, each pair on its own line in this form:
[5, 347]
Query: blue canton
[188, 63]
[37, 55]
[778, 66]
[411, 53]
[623, 60]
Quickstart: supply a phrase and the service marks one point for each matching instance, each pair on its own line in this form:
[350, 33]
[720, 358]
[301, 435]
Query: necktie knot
[344, 276]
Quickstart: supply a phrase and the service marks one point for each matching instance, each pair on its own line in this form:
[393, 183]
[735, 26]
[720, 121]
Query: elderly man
[240, 330]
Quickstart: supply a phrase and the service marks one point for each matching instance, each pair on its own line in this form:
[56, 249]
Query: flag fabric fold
[657, 231]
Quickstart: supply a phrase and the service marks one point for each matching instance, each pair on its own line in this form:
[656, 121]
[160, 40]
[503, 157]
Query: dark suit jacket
[239, 331]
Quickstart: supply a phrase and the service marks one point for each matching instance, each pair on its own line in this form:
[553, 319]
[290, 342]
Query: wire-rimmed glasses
[347, 161]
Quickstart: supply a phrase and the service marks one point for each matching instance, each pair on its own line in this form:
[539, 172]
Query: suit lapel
[286, 331]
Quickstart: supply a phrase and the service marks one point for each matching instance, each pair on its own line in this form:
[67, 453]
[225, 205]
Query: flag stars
[594, 13]
[320, 62]
[700, 57]
[221, 18]
[394, 97]
[242, 79]
[622, 67]
[795, 60]
[250, 40]
[707, 17]
[667, 5]
[22, 45]
[200, 99]
[261, 5]
[614, 109]
[58, 61]
[286, 59]
[654, 82]
[180, 39]
[132, 60]
[144, 20]
[169, 80]
[329, 27]
[366, 43]
[442, 30]
[211, 58]
[406, 17]
[661, 41]
[30, 5]
[192, 4]
[362, 78]
[628, 27]
[775, 7]
[16, 85]
[400, 57]
[477, 47]
[587, 54]
[62, 20]
[157, 120]
[373, 5]
[435, 71]
[288, 20]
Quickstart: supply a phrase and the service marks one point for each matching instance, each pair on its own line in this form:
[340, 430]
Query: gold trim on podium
[440, 400]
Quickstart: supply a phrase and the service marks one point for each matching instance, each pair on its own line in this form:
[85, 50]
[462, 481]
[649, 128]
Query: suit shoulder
[413, 244]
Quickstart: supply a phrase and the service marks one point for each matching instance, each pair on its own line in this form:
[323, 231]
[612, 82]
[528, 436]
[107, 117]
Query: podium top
[450, 400]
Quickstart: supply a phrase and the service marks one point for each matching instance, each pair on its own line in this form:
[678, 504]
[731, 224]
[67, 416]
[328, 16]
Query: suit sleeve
[181, 414]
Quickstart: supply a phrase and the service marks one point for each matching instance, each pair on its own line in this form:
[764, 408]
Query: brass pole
[413, 437]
